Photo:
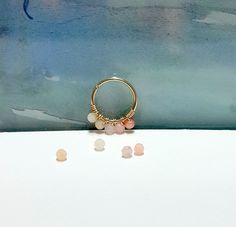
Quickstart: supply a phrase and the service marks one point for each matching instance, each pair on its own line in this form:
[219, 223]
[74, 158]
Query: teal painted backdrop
[179, 54]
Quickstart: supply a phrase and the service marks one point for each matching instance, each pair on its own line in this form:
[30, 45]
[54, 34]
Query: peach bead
[129, 123]
[139, 149]
[61, 155]
[120, 128]
[109, 129]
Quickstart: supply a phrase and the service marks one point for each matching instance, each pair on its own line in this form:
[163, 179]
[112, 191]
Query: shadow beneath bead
[99, 150]
[100, 132]
[129, 131]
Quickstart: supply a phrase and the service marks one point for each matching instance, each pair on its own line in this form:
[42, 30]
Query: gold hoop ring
[112, 125]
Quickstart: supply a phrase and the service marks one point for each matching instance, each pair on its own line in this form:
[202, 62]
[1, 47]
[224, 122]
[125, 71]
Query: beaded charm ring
[112, 126]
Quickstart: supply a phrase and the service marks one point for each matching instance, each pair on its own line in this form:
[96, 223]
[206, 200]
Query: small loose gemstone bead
[61, 155]
[109, 129]
[126, 152]
[92, 117]
[139, 149]
[120, 128]
[129, 123]
[99, 124]
[99, 144]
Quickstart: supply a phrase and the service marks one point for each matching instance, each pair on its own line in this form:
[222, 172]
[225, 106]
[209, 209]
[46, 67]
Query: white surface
[185, 178]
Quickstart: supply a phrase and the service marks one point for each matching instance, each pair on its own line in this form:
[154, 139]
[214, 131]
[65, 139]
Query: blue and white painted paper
[179, 54]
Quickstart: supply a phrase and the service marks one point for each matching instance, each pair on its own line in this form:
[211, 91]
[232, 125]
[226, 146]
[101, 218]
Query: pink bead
[126, 152]
[109, 129]
[120, 128]
[129, 123]
[139, 149]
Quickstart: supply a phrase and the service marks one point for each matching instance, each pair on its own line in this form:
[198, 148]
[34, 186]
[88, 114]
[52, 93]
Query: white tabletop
[185, 179]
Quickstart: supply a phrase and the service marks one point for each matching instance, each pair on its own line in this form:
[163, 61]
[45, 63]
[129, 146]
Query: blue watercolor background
[179, 54]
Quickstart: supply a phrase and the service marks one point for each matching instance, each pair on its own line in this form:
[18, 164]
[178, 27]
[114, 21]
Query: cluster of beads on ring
[110, 127]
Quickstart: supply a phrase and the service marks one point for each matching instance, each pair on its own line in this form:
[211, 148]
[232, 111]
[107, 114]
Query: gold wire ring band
[129, 115]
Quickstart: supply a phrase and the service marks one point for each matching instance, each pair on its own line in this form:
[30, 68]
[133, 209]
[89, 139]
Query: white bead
[99, 124]
[99, 144]
[92, 117]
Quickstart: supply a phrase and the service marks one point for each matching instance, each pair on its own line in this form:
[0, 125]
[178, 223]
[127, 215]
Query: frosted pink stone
[129, 123]
[109, 129]
[139, 149]
[126, 152]
[120, 128]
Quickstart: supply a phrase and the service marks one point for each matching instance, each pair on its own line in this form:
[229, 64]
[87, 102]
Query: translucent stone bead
[99, 124]
[92, 117]
[109, 129]
[129, 123]
[120, 128]
[61, 155]
[126, 152]
[139, 149]
[99, 144]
